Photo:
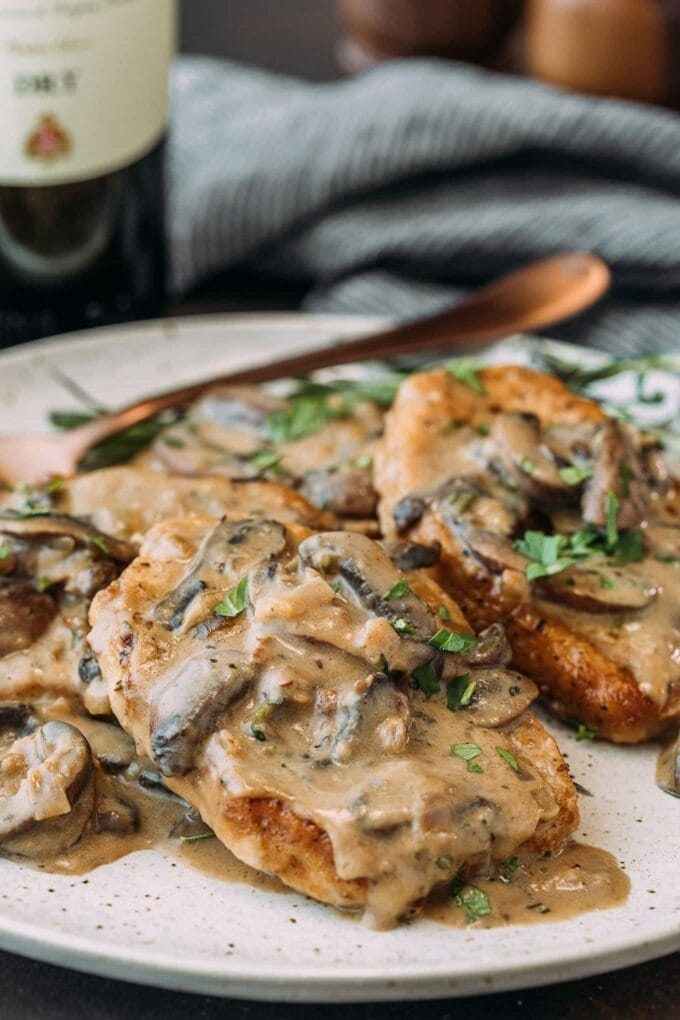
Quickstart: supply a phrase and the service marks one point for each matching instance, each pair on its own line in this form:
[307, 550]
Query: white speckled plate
[146, 919]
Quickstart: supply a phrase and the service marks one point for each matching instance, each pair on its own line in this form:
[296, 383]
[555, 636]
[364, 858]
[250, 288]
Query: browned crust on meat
[268, 835]
[576, 679]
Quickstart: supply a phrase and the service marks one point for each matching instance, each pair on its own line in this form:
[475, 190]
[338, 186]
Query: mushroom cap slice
[367, 571]
[47, 791]
[499, 696]
[527, 459]
[25, 615]
[617, 469]
[188, 705]
[600, 589]
[344, 489]
[232, 547]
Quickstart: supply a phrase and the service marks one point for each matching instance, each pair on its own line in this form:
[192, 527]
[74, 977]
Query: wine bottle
[83, 115]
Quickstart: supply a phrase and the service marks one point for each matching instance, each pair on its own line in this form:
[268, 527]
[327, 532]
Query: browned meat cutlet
[493, 476]
[297, 689]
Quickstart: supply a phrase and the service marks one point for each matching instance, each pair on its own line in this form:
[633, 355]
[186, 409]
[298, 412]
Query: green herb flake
[402, 626]
[509, 758]
[4, 552]
[466, 751]
[574, 475]
[466, 371]
[54, 485]
[364, 463]
[427, 680]
[398, 590]
[304, 416]
[527, 465]
[583, 732]
[197, 839]
[483, 430]
[337, 587]
[472, 900]
[612, 507]
[459, 692]
[664, 557]
[265, 460]
[174, 442]
[234, 603]
[626, 476]
[606, 582]
[453, 641]
[43, 583]
[99, 542]
[630, 547]
[443, 613]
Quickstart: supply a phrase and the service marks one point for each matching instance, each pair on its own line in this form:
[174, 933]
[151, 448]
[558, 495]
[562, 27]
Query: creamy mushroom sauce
[319, 712]
[504, 482]
[229, 432]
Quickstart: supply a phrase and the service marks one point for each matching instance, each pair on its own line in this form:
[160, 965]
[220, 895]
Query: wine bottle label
[83, 86]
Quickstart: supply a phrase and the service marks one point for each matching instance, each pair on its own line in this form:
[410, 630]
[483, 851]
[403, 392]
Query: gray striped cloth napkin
[395, 191]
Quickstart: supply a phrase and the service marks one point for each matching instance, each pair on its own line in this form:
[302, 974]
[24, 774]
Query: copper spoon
[538, 295]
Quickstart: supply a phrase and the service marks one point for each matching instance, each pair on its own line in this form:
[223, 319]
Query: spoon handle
[537, 295]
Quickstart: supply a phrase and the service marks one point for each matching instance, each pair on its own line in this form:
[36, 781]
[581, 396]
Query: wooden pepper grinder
[473, 30]
[624, 48]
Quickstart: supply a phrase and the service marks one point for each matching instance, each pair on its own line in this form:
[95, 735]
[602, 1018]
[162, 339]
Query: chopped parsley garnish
[626, 476]
[43, 583]
[612, 506]
[427, 680]
[402, 626]
[468, 753]
[630, 547]
[398, 590]
[99, 542]
[4, 552]
[54, 485]
[471, 899]
[364, 462]
[264, 460]
[305, 415]
[175, 443]
[583, 732]
[483, 430]
[661, 557]
[527, 465]
[574, 475]
[459, 692]
[235, 601]
[466, 371]
[444, 614]
[453, 641]
[606, 583]
[544, 552]
[197, 838]
[509, 758]
[337, 586]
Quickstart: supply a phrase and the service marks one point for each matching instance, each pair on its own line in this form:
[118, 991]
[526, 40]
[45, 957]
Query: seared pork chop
[297, 691]
[555, 519]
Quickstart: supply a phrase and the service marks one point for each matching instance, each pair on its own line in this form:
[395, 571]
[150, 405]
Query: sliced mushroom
[499, 696]
[63, 550]
[367, 571]
[526, 458]
[115, 815]
[232, 547]
[25, 615]
[47, 791]
[374, 710]
[597, 590]
[112, 747]
[412, 555]
[345, 490]
[492, 648]
[668, 769]
[409, 511]
[617, 469]
[188, 705]
[17, 717]
[483, 522]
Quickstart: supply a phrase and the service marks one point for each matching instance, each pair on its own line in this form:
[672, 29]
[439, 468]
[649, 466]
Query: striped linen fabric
[395, 191]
